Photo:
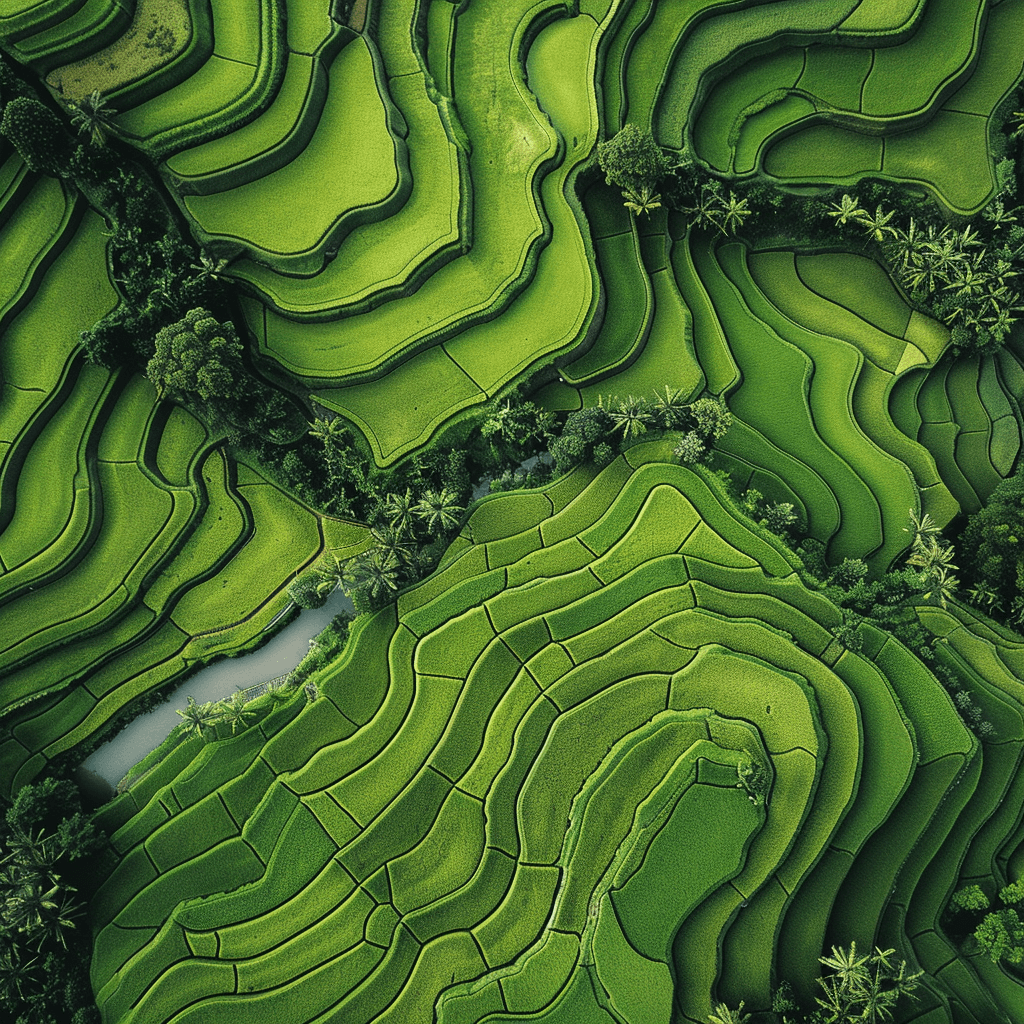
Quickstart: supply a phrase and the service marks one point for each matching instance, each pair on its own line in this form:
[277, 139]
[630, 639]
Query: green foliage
[38, 135]
[1001, 936]
[197, 356]
[632, 160]
[849, 573]
[1013, 893]
[583, 429]
[46, 848]
[324, 648]
[690, 448]
[970, 897]
[306, 590]
[91, 116]
[993, 542]
[711, 418]
[753, 777]
[197, 718]
[723, 1015]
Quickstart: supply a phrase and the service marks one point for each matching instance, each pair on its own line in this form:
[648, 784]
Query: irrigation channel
[110, 763]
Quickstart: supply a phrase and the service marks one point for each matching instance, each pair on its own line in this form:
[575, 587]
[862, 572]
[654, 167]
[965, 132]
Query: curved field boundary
[959, 127]
[490, 785]
[240, 74]
[110, 538]
[851, 90]
[82, 30]
[390, 259]
[965, 414]
[356, 148]
[709, 51]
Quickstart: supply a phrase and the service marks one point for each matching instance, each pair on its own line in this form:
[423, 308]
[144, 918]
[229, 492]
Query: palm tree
[332, 572]
[877, 224]
[235, 711]
[997, 214]
[399, 510]
[328, 431]
[669, 409]
[984, 596]
[375, 572]
[734, 213]
[208, 267]
[91, 115]
[921, 527]
[905, 250]
[723, 1015]
[393, 542]
[17, 974]
[439, 510]
[707, 210]
[848, 209]
[941, 585]
[929, 554]
[642, 200]
[198, 717]
[630, 415]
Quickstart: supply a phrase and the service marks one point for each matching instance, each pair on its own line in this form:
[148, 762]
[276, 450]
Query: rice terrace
[632, 394]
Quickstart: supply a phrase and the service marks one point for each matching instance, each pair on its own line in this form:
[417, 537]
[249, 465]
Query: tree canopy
[198, 355]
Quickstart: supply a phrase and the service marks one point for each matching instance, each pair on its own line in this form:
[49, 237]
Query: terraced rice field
[518, 792]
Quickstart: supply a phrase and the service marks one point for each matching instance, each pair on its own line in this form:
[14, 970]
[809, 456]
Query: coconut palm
[877, 224]
[91, 115]
[723, 1015]
[669, 409]
[848, 209]
[198, 717]
[235, 711]
[984, 596]
[328, 431]
[399, 510]
[928, 553]
[706, 212]
[18, 974]
[208, 267]
[439, 510]
[392, 541]
[903, 250]
[942, 586]
[332, 572]
[58, 918]
[631, 415]
[997, 214]
[734, 213]
[374, 572]
[642, 200]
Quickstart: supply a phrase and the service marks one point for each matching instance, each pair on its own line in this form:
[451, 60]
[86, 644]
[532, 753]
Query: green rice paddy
[518, 793]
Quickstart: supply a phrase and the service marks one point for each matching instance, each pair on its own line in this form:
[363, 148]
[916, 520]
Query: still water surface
[278, 656]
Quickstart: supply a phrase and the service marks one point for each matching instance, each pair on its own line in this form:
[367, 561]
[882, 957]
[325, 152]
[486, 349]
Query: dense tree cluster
[999, 933]
[993, 546]
[46, 845]
[855, 987]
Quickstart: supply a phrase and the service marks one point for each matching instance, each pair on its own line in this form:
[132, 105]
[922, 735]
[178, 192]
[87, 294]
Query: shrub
[970, 897]
[1001, 936]
[583, 430]
[632, 159]
[198, 355]
[690, 448]
[711, 418]
[38, 135]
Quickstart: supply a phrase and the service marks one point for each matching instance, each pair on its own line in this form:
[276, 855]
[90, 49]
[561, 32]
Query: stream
[105, 767]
